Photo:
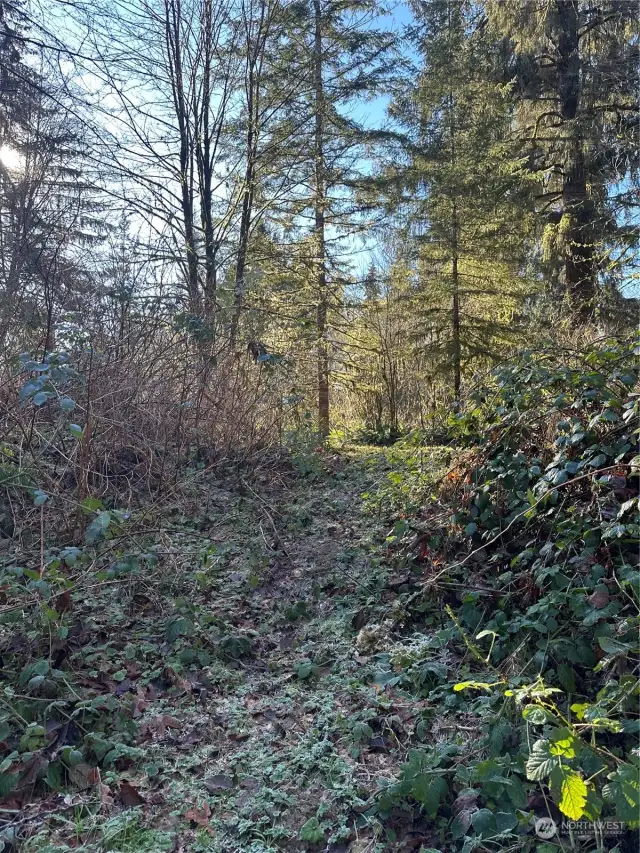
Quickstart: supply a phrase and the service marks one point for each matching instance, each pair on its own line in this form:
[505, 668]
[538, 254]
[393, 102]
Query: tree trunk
[455, 303]
[256, 48]
[320, 201]
[455, 248]
[579, 257]
[247, 209]
[174, 58]
[206, 171]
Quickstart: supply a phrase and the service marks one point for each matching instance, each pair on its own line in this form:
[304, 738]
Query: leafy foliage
[547, 517]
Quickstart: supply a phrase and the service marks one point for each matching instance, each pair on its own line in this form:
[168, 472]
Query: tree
[339, 56]
[458, 190]
[50, 215]
[574, 66]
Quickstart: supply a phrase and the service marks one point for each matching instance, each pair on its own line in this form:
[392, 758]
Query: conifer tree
[574, 65]
[457, 182]
[340, 57]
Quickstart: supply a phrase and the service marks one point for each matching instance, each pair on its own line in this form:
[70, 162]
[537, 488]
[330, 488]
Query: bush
[547, 515]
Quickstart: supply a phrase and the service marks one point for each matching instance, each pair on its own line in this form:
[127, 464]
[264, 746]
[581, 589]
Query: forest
[319, 398]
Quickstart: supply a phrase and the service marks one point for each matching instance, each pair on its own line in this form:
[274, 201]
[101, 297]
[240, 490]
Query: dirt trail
[257, 726]
[273, 758]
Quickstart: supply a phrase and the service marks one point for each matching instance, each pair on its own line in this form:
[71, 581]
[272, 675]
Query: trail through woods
[338, 649]
[319, 422]
[275, 736]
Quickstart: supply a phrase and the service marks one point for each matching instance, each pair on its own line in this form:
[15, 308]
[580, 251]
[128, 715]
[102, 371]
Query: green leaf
[483, 822]
[311, 831]
[517, 792]
[566, 677]
[541, 762]
[91, 505]
[361, 731]
[76, 430]
[623, 790]
[614, 647]
[39, 667]
[306, 669]
[41, 398]
[235, 645]
[597, 461]
[435, 793]
[564, 743]
[536, 715]
[506, 821]
[67, 404]
[70, 555]
[475, 685]
[178, 626]
[458, 828]
[73, 757]
[98, 528]
[400, 528]
[573, 795]
[8, 782]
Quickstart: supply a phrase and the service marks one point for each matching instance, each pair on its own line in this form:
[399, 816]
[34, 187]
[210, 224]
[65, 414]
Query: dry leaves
[106, 797]
[600, 598]
[130, 796]
[200, 816]
[157, 726]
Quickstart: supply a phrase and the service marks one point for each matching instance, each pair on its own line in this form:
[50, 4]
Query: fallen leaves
[157, 726]
[106, 797]
[200, 816]
[600, 598]
[130, 796]
[177, 680]
[219, 782]
[464, 807]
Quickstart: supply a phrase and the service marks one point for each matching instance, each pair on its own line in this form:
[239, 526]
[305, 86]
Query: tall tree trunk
[579, 257]
[320, 203]
[174, 58]
[580, 262]
[455, 248]
[206, 169]
[455, 302]
[256, 40]
[247, 207]
[241, 260]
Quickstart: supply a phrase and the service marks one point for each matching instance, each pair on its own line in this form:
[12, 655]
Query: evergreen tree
[458, 185]
[575, 69]
[338, 56]
[49, 213]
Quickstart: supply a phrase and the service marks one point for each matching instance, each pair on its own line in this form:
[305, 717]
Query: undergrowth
[540, 586]
[415, 648]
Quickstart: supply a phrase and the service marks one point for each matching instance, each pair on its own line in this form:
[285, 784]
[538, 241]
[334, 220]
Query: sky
[370, 113]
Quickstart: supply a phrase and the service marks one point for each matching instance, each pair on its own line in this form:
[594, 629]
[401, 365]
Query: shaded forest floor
[337, 652]
[247, 657]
